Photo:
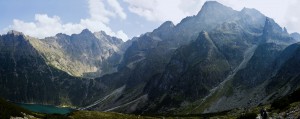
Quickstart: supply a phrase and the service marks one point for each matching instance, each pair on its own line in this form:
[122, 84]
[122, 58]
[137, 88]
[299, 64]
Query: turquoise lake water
[48, 109]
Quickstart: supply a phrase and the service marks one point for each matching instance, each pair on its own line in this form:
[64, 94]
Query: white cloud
[292, 17]
[117, 8]
[98, 11]
[122, 35]
[191, 7]
[164, 10]
[45, 26]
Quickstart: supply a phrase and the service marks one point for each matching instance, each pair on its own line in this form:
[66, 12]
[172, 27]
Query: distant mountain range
[217, 60]
[86, 54]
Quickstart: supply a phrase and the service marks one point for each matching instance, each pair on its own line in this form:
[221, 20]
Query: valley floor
[291, 112]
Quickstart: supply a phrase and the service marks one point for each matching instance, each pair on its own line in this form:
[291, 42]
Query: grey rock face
[83, 55]
[25, 77]
[286, 78]
[233, 38]
[148, 55]
[192, 71]
[273, 33]
[296, 36]
[251, 83]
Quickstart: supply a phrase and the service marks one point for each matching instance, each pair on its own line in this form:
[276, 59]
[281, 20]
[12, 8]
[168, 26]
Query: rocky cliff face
[148, 55]
[246, 46]
[26, 77]
[82, 55]
[296, 36]
[250, 83]
[174, 69]
[196, 68]
[287, 78]
[193, 70]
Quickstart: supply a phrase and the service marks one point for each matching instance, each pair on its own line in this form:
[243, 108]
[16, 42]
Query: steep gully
[247, 56]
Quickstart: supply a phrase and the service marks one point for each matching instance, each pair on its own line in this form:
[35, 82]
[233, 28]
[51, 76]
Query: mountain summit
[214, 7]
[86, 54]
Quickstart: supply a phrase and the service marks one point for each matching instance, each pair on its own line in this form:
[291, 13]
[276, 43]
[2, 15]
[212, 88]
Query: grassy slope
[8, 110]
[104, 115]
[291, 109]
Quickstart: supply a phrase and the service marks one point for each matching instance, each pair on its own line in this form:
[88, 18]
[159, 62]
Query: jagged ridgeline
[26, 76]
[217, 60]
[86, 54]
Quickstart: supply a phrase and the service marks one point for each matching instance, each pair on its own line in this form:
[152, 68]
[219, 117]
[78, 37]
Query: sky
[123, 18]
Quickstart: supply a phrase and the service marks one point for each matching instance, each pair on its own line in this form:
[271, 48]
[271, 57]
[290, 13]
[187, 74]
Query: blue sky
[122, 18]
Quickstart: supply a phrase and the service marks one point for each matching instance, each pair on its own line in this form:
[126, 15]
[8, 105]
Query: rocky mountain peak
[285, 30]
[204, 38]
[272, 27]
[214, 7]
[15, 36]
[252, 12]
[61, 36]
[86, 32]
[164, 28]
[273, 33]
[203, 35]
[296, 36]
[100, 34]
[167, 24]
[15, 33]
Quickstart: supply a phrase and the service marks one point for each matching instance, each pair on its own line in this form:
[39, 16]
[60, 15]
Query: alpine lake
[48, 109]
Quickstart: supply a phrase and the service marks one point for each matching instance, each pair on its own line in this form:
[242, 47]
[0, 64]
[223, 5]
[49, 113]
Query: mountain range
[217, 60]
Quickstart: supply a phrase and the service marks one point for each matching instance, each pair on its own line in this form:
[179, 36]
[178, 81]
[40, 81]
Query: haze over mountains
[217, 60]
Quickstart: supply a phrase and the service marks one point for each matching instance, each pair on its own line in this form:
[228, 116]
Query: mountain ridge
[86, 54]
[217, 60]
